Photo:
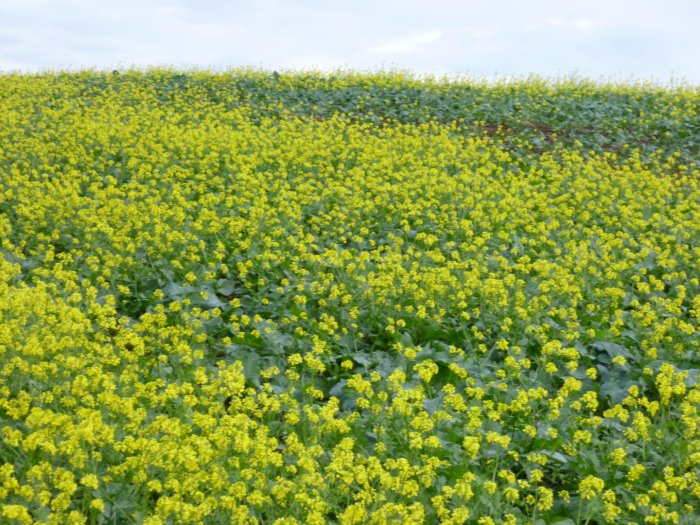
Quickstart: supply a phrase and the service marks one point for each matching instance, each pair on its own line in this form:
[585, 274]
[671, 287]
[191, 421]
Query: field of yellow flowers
[303, 298]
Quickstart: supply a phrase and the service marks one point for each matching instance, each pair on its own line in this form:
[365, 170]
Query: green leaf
[338, 389]
[175, 291]
[225, 287]
[363, 359]
[612, 349]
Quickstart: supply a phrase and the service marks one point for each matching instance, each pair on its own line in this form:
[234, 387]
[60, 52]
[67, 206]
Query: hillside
[254, 297]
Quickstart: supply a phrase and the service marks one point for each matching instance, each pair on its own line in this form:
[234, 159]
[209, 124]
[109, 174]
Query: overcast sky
[600, 39]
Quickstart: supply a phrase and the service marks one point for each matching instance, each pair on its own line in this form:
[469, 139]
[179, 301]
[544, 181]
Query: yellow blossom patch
[251, 297]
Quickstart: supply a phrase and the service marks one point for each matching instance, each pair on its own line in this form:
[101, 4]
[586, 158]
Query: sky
[599, 39]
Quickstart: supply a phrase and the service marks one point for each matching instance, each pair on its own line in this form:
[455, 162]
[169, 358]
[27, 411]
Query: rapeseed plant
[303, 298]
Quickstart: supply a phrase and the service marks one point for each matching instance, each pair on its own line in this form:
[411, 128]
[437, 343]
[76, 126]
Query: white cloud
[574, 23]
[407, 44]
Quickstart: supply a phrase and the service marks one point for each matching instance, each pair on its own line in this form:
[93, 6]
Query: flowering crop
[247, 297]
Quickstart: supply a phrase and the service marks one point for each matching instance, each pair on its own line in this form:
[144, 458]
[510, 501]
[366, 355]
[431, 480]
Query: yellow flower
[90, 481]
[471, 446]
[590, 487]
